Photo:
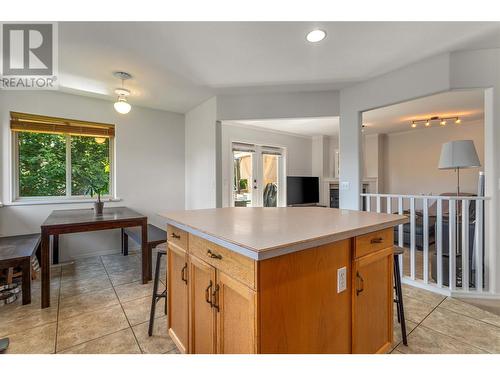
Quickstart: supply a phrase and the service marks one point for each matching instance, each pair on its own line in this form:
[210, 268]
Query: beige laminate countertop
[262, 233]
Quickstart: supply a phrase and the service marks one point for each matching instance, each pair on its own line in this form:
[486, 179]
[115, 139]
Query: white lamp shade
[121, 106]
[458, 154]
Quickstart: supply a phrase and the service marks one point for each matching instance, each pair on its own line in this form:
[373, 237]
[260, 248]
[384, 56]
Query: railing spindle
[439, 242]
[479, 245]
[368, 203]
[413, 258]
[426, 239]
[378, 204]
[452, 244]
[465, 245]
[389, 205]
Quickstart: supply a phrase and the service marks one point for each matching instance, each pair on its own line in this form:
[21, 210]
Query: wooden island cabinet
[328, 296]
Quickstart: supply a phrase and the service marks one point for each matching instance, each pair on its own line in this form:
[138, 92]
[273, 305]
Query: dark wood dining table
[84, 220]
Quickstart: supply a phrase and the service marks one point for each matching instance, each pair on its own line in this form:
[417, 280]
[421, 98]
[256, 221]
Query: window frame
[68, 198]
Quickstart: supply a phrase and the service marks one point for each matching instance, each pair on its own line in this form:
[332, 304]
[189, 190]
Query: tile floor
[99, 306]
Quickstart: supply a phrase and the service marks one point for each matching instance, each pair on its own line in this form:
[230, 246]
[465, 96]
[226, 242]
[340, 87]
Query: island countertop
[262, 233]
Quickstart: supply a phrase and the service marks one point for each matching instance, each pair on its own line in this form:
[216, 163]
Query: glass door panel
[243, 178]
[270, 180]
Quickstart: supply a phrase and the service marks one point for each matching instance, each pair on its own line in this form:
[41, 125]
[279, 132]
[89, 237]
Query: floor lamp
[458, 155]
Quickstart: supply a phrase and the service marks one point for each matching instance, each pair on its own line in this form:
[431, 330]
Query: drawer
[374, 241]
[233, 264]
[177, 236]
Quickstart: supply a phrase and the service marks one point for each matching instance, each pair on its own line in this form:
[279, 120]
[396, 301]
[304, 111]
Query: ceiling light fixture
[428, 121]
[316, 36]
[121, 105]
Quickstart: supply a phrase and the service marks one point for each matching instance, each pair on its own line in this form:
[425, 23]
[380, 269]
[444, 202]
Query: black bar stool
[157, 296]
[399, 292]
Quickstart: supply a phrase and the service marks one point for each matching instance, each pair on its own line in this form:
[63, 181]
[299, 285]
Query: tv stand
[307, 205]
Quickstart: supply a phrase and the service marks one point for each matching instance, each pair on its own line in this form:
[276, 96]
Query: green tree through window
[42, 164]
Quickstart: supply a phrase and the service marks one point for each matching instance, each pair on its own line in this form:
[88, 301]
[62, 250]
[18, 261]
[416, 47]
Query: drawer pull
[208, 294]
[183, 272]
[176, 236]
[377, 240]
[213, 255]
[362, 282]
[215, 297]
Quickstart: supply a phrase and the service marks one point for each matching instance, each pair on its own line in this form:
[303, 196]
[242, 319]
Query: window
[60, 158]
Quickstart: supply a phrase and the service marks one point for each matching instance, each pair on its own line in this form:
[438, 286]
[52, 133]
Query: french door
[258, 176]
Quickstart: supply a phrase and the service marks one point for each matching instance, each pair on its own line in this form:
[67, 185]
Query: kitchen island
[280, 280]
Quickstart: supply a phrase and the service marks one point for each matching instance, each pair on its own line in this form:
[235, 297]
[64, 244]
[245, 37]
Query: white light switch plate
[341, 279]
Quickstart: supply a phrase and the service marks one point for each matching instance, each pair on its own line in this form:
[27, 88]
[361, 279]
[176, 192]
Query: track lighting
[428, 121]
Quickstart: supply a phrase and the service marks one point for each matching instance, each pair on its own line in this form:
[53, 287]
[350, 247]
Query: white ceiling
[467, 104]
[177, 65]
[299, 126]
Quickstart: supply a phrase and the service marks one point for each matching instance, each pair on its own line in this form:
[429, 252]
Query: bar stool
[157, 296]
[399, 292]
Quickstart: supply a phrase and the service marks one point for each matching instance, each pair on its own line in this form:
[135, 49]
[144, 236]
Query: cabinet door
[177, 282]
[202, 315]
[372, 302]
[236, 316]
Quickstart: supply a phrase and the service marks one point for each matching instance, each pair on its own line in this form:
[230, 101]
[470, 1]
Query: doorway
[258, 175]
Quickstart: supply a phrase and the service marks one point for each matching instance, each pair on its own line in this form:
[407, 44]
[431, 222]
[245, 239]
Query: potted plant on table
[96, 188]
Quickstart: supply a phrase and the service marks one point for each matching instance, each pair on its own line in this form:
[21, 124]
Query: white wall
[149, 152]
[298, 151]
[421, 79]
[411, 160]
[278, 105]
[201, 152]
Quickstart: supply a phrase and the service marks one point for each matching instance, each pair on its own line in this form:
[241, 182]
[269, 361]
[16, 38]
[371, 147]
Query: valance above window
[25, 122]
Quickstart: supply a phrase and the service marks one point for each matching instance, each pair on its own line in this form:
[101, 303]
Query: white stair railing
[429, 248]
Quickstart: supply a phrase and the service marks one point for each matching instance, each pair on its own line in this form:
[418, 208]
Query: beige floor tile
[426, 341]
[416, 310]
[129, 292]
[90, 326]
[174, 351]
[121, 342]
[470, 310]
[39, 340]
[138, 310]
[83, 303]
[88, 260]
[490, 305]
[160, 342]
[20, 318]
[422, 295]
[471, 331]
[83, 273]
[73, 287]
[125, 277]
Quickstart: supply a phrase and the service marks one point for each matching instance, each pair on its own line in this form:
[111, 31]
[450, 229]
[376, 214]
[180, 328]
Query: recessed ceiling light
[316, 36]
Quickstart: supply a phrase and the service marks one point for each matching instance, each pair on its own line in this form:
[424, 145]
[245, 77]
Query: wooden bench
[156, 236]
[17, 251]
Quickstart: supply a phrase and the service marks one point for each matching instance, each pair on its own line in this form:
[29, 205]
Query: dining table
[85, 220]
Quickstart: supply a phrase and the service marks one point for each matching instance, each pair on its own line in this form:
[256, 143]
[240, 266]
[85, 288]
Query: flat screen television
[302, 190]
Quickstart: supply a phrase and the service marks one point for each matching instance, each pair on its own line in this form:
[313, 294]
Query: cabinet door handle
[377, 240]
[359, 290]
[176, 236]
[183, 272]
[211, 254]
[215, 297]
[208, 294]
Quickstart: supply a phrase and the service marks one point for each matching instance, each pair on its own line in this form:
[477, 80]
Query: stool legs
[399, 299]
[156, 295]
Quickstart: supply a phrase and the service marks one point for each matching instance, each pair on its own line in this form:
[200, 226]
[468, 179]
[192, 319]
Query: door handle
[208, 294]
[377, 240]
[359, 290]
[184, 269]
[176, 236]
[215, 297]
[214, 255]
